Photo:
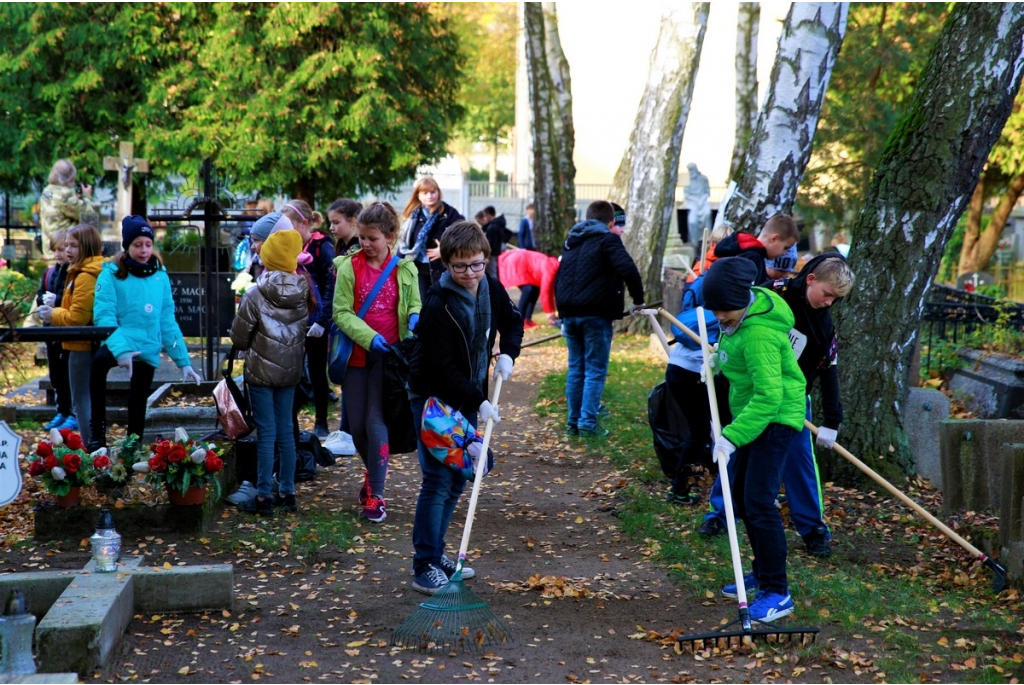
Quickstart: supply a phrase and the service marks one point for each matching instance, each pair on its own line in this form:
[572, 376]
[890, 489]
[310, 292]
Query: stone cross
[125, 164]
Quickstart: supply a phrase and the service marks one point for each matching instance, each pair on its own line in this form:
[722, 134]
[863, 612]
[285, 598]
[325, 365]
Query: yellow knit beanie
[281, 250]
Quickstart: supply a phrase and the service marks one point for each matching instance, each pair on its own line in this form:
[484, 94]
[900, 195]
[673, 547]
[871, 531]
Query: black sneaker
[712, 528]
[260, 507]
[320, 430]
[572, 431]
[818, 543]
[690, 499]
[595, 432]
[286, 502]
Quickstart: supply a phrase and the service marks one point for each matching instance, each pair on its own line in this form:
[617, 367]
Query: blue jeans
[272, 414]
[589, 339]
[759, 468]
[439, 494]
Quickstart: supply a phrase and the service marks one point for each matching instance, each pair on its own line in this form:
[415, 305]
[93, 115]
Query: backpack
[693, 297]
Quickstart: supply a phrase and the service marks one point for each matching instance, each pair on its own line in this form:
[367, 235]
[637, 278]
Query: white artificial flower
[55, 438]
[141, 467]
[58, 473]
[199, 456]
[100, 452]
[180, 434]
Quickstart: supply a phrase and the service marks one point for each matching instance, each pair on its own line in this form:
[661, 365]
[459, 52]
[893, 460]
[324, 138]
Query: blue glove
[379, 344]
[414, 319]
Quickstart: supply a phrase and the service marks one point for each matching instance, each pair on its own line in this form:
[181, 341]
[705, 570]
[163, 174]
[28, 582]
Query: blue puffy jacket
[142, 309]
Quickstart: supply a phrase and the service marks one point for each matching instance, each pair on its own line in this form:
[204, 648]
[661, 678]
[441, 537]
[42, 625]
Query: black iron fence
[951, 317]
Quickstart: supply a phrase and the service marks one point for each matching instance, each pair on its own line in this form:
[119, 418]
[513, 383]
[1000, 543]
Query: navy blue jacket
[594, 267]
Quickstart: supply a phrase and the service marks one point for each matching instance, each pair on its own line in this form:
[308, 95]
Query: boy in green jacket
[766, 397]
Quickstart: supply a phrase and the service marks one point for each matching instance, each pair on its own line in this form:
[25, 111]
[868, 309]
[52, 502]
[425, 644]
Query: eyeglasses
[475, 267]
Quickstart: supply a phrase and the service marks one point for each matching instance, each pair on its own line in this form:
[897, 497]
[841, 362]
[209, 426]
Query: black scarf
[141, 270]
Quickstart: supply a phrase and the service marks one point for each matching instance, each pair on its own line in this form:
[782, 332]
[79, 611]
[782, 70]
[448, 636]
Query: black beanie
[727, 284]
[132, 227]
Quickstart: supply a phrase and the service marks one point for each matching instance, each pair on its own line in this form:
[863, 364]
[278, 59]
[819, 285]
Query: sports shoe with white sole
[430, 581]
[448, 566]
[770, 606]
[749, 582]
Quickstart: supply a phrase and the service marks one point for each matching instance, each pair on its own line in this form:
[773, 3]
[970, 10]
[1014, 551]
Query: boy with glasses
[589, 296]
[461, 317]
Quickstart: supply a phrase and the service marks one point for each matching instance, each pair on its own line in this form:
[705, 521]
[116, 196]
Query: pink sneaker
[364, 492]
[374, 510]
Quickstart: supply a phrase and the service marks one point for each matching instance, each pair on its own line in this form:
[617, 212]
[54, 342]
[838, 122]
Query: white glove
[189, 374]
[49, 299]
[826, 438]
[488, 411]
[315, 331]
[634, 308]
[474, 449]
[503, 367]
[125, 361]
[723, 449]
[45, 313]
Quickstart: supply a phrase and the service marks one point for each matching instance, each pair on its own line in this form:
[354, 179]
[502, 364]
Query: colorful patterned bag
[447, 434]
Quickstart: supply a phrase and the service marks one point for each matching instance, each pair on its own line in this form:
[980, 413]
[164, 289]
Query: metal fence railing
[952, 315]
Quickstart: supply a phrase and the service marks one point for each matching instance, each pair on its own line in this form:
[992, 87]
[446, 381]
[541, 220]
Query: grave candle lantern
[106, 543]
[17, 627]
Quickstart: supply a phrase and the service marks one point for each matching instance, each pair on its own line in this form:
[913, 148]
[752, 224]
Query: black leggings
[57, 360]
[138, 392]
[316, 360]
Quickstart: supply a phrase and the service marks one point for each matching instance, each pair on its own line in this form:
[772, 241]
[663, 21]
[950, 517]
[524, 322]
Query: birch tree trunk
[554, 173]
[781, 144]
[979, 245]
[646, 178]
[924, 180]
[748, 23]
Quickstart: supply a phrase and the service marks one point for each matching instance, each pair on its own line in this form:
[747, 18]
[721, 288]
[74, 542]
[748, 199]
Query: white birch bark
[647, 176]
[748, 23]
[781, 144]
[554, 172]
[926, 176]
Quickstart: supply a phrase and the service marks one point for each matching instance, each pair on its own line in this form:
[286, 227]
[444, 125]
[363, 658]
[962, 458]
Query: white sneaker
[340, 443]
[244, 492]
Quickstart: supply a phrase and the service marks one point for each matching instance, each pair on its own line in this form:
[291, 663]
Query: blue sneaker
[55, 421]
[71, 423]
[770, 606]
[430, 581]
[749, 582]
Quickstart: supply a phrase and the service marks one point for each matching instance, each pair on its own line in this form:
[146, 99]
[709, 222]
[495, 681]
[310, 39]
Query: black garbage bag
[402, 428]
[668, 425]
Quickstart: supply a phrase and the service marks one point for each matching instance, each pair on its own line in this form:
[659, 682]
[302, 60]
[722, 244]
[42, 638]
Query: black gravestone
[191, 300]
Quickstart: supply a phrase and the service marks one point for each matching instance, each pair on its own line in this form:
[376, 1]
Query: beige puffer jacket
[271, 325]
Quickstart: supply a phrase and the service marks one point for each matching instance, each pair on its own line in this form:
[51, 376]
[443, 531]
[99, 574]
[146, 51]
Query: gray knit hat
[264, 225]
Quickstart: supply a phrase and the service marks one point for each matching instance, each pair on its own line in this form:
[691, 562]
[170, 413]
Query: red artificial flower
[74, 441]
[213, 463]
[44, 449]
[176, 454]
[36, 468]
[50, 462]
[72, 462]
[157, 463]
[64, 433]
[101, 462]
[161, 448]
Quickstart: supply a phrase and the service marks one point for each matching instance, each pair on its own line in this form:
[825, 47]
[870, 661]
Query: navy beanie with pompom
[135, 226]
[727, 284]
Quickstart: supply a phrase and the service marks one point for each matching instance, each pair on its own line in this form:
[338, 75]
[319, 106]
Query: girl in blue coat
[133, 293]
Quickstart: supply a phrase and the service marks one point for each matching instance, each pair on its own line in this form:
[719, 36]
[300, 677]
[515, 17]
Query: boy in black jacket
[461, 316]
[589, 297]
[823, 281]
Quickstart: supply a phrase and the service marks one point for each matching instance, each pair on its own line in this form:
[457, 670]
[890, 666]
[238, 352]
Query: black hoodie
[818, 358]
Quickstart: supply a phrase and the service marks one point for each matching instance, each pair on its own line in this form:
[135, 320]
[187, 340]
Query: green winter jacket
[344, 310]
[765, 381]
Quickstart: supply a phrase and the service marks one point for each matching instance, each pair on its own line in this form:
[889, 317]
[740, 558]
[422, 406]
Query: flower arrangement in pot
[63, 465]
[183, 466]
[124, 453]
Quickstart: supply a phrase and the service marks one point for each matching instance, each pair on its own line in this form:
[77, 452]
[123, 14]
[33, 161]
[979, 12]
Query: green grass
[305, 538]
[905, 617]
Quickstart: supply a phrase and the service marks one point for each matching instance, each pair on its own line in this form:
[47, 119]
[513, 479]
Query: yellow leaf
[944, 641]
[167, 565]
[357, 643]
[579, 519]
[183, 671]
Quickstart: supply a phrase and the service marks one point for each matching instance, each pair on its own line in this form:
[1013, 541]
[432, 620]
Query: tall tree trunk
[924, 179]
[647, 175]
[748, 23]
[781, 144]
[985, 243]
[554, 173]
[969, 249]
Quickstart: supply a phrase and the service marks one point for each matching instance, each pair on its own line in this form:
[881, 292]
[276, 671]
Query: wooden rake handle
[479, 475]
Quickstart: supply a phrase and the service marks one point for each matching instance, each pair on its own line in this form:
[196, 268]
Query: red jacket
[528, 267]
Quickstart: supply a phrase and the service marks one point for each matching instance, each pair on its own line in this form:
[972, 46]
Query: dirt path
[544, 519]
